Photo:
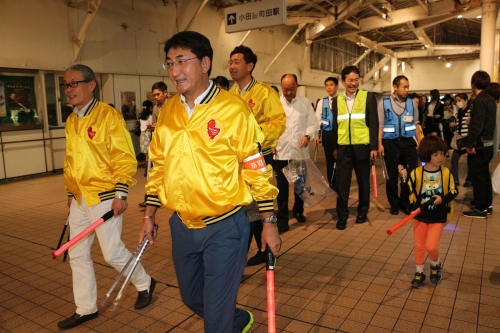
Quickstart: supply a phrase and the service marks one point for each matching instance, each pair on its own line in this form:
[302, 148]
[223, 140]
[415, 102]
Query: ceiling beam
[318, 7]
[402, 16]
[458, 50]
[425, 6]
[344, 10]
[421, 35]
[376, 68]
[363, 41]
[304, 13]
[401, 42]
[92, 8]
[366, 53]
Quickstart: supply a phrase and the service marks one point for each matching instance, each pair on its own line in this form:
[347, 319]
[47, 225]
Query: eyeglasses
[178, 63]
[72, 84]
[352, 80]
[291, 90]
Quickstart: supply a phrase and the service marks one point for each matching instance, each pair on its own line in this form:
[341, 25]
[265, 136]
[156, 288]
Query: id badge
[408, 119]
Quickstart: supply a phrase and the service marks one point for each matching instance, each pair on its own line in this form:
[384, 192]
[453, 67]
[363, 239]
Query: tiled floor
[357, 280]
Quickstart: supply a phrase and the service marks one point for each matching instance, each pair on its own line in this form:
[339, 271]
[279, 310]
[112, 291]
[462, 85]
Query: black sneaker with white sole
[476, 214]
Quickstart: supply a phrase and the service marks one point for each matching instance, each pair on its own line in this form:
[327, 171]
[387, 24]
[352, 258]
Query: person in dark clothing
[434, 111]
[459, 126]
[479, 144]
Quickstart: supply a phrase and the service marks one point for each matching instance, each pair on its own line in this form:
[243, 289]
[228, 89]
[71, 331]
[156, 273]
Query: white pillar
[394, 68]
[487, 56]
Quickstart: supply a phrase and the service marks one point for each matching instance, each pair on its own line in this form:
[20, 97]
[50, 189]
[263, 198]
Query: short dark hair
[222, 81]
[294, 76]
[248, 55]
[331, 78]
[276, 89]
[435, 95]
[87, 72]
[493, 90]
[160, 85]
[194, 42]
[429, 145]
[481, 80]
[348, 70]
[462, 96]
[398, 79]
[413, 95]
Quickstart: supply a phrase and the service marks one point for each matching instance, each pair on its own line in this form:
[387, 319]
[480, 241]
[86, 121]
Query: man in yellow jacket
[99, 166]
[269, 113]
[207, 167]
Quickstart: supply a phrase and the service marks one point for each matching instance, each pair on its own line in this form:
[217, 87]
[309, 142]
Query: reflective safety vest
[326, 115]
[352, 129]
[397, 126]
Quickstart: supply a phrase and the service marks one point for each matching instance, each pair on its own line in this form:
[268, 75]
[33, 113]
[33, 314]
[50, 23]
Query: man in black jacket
[479, 144]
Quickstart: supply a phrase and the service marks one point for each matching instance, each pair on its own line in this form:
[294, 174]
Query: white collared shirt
[350, 100]
[196, 101]
[81, 112]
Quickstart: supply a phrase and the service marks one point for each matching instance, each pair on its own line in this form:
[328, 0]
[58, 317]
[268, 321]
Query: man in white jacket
[301, 127]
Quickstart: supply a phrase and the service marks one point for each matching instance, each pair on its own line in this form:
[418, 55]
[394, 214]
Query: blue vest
[395, 125]
[326, 116]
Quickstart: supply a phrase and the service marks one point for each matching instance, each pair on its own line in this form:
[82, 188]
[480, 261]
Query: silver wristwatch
[271, 219]
[123, 197]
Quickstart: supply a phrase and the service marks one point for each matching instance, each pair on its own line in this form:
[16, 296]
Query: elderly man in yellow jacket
[98, 169]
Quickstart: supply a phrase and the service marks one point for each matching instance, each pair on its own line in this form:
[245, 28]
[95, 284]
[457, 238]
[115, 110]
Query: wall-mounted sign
[255, 15]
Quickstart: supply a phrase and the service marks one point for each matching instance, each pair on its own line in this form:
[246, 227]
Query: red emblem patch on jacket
[90, 132]
[251, 103]
[212, 130]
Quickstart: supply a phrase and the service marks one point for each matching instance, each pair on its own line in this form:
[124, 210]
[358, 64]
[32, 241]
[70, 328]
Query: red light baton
[82, 234]
[409, 217]
[271, 305]
[374, 178]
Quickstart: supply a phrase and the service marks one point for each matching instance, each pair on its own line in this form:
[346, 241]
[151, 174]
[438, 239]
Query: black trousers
[481, 178]
[327, 139]
[257, 226]
[283, 186]
[399, 152]
[343, 175]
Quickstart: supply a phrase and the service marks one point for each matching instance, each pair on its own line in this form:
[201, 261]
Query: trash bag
[307, 180]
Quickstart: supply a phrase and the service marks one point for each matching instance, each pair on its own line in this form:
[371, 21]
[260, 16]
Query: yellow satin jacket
[99, 154]
[268, 111]
[198, 170]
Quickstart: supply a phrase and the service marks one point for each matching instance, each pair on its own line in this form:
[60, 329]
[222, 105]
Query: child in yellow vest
[430, 181]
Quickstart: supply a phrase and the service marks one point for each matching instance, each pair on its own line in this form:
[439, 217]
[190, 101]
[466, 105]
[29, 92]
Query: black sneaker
[476, 214]
[435, 274]
[418, 280]
[489, 210]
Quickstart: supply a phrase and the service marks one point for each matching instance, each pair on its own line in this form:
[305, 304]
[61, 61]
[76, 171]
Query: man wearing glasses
[207, 168]
[355, 121]
[99, 166]
[270, 116]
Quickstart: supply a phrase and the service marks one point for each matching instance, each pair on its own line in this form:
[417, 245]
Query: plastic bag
[307, 181]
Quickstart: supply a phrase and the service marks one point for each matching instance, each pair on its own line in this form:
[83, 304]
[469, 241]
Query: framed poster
[128, 106]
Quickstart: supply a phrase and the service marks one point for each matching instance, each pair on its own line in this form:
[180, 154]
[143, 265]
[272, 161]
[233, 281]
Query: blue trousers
[209, 264]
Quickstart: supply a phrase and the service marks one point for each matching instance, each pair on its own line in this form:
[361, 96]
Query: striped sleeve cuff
[266, 206]
[70, 194]
[153, 200]
[121, 187]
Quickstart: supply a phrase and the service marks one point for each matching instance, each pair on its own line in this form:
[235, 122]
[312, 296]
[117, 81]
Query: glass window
[17, 101]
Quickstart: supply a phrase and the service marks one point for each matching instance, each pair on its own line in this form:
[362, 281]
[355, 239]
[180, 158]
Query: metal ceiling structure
[404, 29]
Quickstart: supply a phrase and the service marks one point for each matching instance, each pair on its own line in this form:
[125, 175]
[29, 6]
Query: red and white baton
[82, 234]
[409, 217]
[374, 178]
[271, 305]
